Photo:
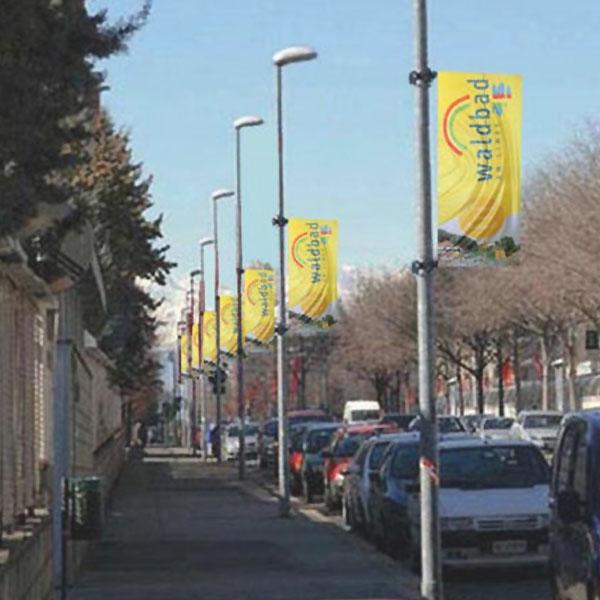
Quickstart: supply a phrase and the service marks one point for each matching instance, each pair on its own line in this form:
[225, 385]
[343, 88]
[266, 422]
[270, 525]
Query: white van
[361, 411]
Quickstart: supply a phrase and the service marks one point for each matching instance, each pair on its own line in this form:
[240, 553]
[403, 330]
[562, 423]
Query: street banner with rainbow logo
[209, 337]
[259, 305]
[228, 325]
[312, 284]
[479, 168]
[195, 346]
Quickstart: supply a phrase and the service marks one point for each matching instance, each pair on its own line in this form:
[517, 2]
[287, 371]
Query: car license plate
[509, 547]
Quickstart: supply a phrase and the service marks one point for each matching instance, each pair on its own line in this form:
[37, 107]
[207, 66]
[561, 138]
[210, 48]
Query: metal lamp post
[193, 404]
[216, 196]
[239, 124]
[201, 309]
[282, 58]
[424, 268]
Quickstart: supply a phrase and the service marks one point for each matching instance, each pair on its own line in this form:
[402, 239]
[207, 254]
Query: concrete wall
[26, 562]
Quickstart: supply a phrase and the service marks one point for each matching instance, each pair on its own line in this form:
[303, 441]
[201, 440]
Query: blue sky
[199, 64]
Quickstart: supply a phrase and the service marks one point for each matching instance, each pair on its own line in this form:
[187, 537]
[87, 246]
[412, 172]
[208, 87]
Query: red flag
[538, 365]
[508, 375]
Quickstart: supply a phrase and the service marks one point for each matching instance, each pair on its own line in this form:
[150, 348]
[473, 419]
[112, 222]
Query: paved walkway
[180, 530]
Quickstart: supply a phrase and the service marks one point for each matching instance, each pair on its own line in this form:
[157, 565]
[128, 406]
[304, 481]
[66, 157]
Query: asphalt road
[522, 584]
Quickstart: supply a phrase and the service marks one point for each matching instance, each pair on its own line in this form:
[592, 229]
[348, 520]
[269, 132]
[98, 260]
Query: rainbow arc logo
[458, 106]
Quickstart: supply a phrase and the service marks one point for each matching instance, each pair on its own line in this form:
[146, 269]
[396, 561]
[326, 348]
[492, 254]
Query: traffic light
[212, 378]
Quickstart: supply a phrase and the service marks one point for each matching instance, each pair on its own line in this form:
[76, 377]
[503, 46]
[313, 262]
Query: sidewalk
[180, 530]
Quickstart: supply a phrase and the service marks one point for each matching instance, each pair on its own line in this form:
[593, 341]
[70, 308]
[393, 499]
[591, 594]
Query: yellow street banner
[184, 344]
[209, 339]
[312, 268]
[479, 168]
[259, 305]
[228, 325]
[195, 346]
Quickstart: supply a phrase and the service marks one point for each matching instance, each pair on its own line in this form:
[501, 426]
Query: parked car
[231, 443]
[494, 428]
[316, 437]
[539, 427]
[388, 525]
[296, 457]
[358, 477]
[493, 504]
[575, 509]
[361, 411]
[472, 423]
[295, 419]
[400, 420]
[445, 424]
[266, 440]
[338, 455]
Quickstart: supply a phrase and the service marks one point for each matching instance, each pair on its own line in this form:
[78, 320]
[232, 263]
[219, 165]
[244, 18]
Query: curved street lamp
[282, 58]
[239, 124]
[216, 196]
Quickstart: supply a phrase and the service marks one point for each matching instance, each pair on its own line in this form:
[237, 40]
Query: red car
[338, 455]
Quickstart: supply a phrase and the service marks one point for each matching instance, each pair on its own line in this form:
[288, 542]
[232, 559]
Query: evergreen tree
[49, 86]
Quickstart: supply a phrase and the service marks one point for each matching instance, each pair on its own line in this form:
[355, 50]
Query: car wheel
[328, 499]
[415, 559]
[346, 519]
[307, 492]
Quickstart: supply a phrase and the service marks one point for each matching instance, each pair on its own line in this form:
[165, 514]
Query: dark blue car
[575, 509]
[388, 494]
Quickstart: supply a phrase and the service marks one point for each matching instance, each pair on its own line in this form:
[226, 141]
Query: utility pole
[423, 268]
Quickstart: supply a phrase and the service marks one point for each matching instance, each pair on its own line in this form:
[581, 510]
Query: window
[405, 463]
[365, 415]
[566, 460]
[376, 456]
[580, 469]
[542, 421]
[492, 467]
[317, 440]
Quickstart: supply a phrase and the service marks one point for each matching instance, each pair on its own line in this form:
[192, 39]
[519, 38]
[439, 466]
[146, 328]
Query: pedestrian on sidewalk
[215, 440]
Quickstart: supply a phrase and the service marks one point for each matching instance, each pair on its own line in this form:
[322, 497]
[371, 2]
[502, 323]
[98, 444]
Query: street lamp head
[294, 54]
[195, 273]
[218, 194]
[206, 241]
[247, 121]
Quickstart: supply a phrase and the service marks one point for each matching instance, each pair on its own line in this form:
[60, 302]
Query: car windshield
[405, 463]
[497, 423]
[235, 431]
[492, 467]
[308, 419]
[270, 428]
[376, 455]
[348, 445]
[365, 415]
[542, 421]
[402, 421]
[450, 425]
[317, 440]
[296, 439]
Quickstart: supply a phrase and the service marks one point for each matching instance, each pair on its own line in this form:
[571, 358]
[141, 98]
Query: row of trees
[484, 315]
[59, 148]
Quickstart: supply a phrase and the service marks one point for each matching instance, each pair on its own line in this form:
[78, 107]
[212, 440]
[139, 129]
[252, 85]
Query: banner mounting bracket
[418, 267]
[422, 78]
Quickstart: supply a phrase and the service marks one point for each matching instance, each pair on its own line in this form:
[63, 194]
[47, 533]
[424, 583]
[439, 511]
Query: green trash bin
[86, 509]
